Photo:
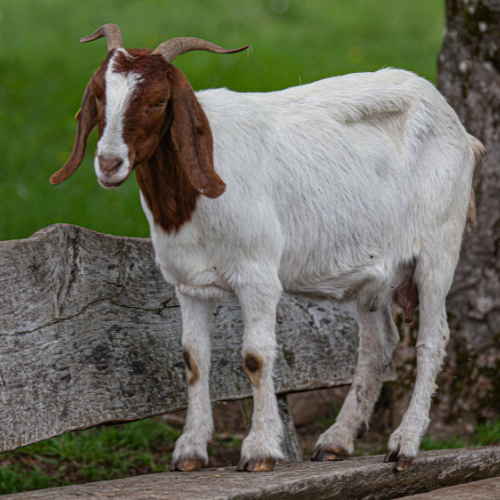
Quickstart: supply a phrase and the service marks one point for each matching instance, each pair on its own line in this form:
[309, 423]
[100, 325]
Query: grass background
[44, 70]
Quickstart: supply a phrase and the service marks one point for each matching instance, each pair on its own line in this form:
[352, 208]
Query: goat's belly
[343, 286]
[204, 285]
[327, 289]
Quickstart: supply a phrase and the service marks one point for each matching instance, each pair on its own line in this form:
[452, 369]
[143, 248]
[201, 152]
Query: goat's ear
[192, 137]
[87, 118]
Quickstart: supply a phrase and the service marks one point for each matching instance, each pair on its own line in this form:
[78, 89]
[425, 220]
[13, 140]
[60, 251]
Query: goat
[353, 188]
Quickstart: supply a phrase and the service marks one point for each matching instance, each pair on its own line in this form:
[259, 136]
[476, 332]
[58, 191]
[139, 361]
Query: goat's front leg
[262, 447]
[191, 448]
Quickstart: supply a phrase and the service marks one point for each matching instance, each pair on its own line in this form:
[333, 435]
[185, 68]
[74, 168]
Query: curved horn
[177, 46]
[112, 34]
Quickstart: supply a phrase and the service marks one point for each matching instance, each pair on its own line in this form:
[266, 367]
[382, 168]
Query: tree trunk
[469, 77]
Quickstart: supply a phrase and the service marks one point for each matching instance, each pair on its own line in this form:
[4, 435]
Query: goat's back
[336, 177]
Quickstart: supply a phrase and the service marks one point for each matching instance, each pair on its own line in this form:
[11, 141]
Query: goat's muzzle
[110, 166]
[110, 174]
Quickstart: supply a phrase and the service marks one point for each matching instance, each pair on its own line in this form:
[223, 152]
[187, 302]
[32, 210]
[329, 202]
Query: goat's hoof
[257, 465]
[402, 462]
[188, 464]
[392, 455]
[330, 455]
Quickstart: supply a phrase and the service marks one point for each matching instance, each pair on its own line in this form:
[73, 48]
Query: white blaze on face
[119, 90]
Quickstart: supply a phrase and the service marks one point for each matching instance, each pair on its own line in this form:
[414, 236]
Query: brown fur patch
[192, 136]
[192, 369]
[182, 165]
[479, 150]
[87, 119]
[167, 132]
[471, 212]
[166, 188]
[406, 295]
[253, 365]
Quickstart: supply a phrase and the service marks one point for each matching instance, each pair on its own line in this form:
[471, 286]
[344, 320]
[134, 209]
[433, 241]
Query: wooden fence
[90, 333]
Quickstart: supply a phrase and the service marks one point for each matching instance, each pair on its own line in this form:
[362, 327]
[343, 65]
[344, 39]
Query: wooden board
[90, 333]
[366, 478]
[487, 489]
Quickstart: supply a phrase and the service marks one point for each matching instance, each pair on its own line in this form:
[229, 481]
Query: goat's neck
[166, 188]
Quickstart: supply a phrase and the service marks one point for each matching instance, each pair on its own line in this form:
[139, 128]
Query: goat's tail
[478, 151]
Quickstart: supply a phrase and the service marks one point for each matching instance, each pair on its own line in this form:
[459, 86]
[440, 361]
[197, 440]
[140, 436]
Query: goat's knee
[253, 365]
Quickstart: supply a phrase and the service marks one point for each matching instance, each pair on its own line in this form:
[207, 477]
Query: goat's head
[137, 96]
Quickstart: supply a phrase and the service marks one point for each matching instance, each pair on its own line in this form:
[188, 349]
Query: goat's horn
[112, 34]
[177, 46]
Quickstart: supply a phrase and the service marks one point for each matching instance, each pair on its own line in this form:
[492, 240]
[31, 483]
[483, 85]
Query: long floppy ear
[192, 137]
[87, 118]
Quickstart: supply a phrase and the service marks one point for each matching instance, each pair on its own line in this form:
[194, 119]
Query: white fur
[332, 188]
[196, 321]
[119, 89]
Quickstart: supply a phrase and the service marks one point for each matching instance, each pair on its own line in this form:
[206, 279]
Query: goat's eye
[160, 103]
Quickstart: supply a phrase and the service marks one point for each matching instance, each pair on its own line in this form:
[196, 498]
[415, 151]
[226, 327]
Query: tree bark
[469, 78]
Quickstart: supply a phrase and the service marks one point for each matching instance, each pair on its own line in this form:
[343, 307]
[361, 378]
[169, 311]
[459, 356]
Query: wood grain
[487, 489]
[366, 478]
[90, 334]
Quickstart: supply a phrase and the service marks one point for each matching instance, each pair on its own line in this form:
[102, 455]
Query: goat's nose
[110, 165]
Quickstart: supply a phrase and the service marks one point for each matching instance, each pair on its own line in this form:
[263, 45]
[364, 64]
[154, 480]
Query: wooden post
[290, 441]
[246, 406]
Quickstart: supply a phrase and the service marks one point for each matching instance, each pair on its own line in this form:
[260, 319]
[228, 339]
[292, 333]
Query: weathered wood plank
[487, 489]
[90, 333]
[366, 478]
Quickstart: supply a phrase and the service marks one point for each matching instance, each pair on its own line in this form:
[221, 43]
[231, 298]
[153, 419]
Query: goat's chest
[186, 261]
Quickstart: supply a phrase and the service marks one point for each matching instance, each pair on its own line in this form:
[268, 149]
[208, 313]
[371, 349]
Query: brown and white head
[138, 98]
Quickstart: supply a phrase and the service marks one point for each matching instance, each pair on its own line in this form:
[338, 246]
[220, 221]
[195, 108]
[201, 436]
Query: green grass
[485, 434]
[44, 70]
[102, 453]
[91, 455]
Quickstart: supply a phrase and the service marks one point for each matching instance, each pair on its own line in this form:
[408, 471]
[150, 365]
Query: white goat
[351, 188]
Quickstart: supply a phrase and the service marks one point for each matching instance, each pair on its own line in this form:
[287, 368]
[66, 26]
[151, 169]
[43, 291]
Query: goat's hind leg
[433, 336]
[378, 338]
[190, 452]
